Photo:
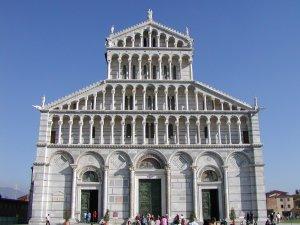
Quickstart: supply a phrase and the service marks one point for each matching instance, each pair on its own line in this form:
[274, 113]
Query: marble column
[150, 70]
[205, 102]
[180, 69]
[191, 69]
[240, 132]
[187, 98]
[156, 100]
[208, 131]
[166, 99]
[123, 99]
[103, 101]
[91, 122]
[197, 100]
[133, 96]
[105, 184]
[170, 69]
[195, 197]
[80, 130]
[167, 131]
[102, 131]
[86, 103]
[77, 105]
[160, 72]
[198, 131]
[60, 122]
[133, 132]
[112, 136]
[187, 124]
[123, 131]
[108, 69]
[132, 188]
[219, 131]
[120, 68]
[226, 192]
[229, 131]
[129, 69]
[156, 131]
[144, 99]
[70, 130]
[144, 131]
[177, 131]
[140, 69]
[95, 101]
[73, 195]
[176, 100]
[168, 189]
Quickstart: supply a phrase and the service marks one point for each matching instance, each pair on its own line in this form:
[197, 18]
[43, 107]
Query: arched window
[170, 130]
[209, 176]
[90, 176]
[174, 73]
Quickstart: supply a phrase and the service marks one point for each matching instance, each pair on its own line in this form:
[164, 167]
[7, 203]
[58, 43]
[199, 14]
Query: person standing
[278, 217]
[157, 221]
[89, 217]
[48, 219]
[95, 216]
[164, 221]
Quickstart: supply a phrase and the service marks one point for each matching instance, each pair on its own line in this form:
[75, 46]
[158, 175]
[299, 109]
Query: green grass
[292, 221]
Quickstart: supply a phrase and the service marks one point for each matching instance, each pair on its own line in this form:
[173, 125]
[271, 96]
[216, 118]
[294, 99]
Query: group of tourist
[164, 220]
[273, 219]
[89, 217]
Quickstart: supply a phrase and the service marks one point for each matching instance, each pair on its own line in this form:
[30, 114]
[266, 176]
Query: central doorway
[89, 202]
[210, 204]
[150, 196]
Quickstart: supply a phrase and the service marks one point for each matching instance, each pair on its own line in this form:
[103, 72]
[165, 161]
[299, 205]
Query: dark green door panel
[150, 196]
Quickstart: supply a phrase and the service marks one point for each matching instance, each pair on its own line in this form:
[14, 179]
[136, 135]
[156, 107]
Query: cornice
[40, 164]
[150, 49]
[154, 112]
[151, 146]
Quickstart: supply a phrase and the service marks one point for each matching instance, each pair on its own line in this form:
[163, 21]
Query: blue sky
[244, 48]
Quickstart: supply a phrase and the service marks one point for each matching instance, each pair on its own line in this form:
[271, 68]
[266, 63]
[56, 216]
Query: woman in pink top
[157, 221]
[164, 221]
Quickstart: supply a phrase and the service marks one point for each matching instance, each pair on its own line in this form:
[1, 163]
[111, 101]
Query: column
[144, 131]
[120, 68]
[198, 131]
[187, 98]
[197, 100]
[150, 69]
[168, 189]
[158, 40]
[91, 130]
[222, 105]
[176, 99]
[101, 131]
[170, 68]
[86, 103]
[226, 192]
[113, 98]
[156, 130]
[214, 103]
[103, 101]
[108, 69]
[229, 131]
[140, 68]
[132, 40]
[69, 106]
[191, 69]
[160, 72]
[70, 130]
[95, 101]
[80, 130]
[112, 137]
[205, 102]
[240, 134]
[167, 131]
[144, 99]
[180, 69]
[219, 131]
[73, 196]
[123, 99]
[187, 125]
[105, 178]
[177, 131]
[133, 96]
[166, 99]
[155, 92]
[77, 105]
[195, 197]
[133, 131]
[49, 129]
[60, 122]
[129, 69]
[150, 38]
[123, 131]
[208, 130]
[132, 187]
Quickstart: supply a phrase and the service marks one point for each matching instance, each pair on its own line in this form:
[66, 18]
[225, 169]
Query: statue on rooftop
[150, 14]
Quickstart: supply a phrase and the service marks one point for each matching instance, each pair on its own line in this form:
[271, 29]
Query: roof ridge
[223, 93]
[75, 93]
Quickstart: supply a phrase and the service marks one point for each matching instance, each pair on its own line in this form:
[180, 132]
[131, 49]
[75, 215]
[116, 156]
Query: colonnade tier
[149, 37]
[149, 97]
[108, 129]
[155, 66]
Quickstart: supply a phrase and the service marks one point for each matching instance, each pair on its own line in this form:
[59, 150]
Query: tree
[192, 216]
[106, 216]
[232, 215]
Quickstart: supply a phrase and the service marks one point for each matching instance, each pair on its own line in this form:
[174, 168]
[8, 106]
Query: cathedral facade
[148, 139]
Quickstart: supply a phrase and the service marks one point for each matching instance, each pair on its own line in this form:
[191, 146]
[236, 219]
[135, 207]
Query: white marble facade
[148, 120]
